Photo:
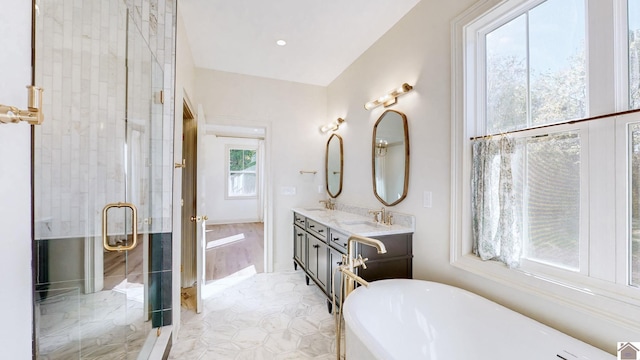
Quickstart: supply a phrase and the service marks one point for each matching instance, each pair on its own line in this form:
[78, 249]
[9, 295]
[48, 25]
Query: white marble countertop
[350, 223]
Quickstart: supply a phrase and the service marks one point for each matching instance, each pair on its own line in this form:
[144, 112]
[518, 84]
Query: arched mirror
[390, 157]
[334, 165]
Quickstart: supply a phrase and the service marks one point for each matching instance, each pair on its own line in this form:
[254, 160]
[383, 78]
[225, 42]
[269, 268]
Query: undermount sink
[360, 223]
[315, 209]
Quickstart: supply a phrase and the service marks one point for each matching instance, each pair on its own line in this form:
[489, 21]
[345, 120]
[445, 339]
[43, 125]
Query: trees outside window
[242, 173]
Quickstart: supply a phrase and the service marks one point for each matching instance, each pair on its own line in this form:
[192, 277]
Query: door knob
[199, 218]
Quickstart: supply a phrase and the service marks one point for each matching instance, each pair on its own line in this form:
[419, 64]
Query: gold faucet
[384, 217]
[375, 214]
[349, 278]
[328, 204]
[351, 262]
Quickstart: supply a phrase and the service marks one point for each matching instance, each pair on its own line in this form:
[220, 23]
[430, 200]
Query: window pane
[242, 184]
[635, 205]
[506, 73]
[553, 201]
[634, 54]
[242, 160]
[557, 61]
[236, 160]
[249, 160]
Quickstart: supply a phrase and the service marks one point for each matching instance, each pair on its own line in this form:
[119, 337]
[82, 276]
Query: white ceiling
[323, 36]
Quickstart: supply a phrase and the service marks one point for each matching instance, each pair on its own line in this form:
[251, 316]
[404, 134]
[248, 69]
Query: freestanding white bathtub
[414, 319]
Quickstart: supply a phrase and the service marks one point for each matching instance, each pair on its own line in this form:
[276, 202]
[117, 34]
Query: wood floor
[224, 260]
[121, 265]
[221, 261]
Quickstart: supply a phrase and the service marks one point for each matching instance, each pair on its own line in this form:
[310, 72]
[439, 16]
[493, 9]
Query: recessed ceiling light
[281, 42]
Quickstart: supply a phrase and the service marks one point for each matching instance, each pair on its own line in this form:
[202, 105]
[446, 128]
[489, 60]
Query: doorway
[234, 176]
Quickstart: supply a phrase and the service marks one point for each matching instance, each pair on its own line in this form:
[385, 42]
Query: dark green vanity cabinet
[318, 250]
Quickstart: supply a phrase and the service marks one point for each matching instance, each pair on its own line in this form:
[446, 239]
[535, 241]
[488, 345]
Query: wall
[292, 114]
[417, 50]
[219, 209]
[16, 305]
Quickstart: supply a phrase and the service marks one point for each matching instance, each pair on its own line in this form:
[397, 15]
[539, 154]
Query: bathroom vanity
[320, 239]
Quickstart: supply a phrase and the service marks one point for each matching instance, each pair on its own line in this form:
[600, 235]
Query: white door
[201, 239]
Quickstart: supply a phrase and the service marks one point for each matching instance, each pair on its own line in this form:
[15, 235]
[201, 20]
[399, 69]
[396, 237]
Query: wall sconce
[332, 126]
[33, 114]
[390, 98]
[381, 148]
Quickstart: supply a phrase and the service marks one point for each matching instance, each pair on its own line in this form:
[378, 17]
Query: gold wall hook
[33, 115]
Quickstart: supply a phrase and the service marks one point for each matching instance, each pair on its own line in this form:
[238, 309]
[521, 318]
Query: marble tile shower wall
[80, 62]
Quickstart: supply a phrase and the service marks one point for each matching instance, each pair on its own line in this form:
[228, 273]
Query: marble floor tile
[101, 325]
[264, 316]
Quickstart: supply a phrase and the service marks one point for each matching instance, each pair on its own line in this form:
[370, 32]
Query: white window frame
[228, 171]
[600, 292]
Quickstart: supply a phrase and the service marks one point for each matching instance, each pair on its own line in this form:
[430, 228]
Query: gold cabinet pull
[134, 219]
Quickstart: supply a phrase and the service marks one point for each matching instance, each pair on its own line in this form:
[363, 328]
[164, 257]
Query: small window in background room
[242, 173]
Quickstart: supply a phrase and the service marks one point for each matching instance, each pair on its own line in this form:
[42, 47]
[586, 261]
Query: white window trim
[601, 299]
[228, 148]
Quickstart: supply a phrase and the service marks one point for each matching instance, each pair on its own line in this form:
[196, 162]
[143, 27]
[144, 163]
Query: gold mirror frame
[326, 166]
[406, 157]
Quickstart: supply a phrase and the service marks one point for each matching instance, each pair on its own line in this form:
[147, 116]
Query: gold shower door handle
[134, 220]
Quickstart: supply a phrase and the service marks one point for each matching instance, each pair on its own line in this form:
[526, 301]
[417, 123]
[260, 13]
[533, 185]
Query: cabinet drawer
[317, 229]
[338, 240]
[299, 220]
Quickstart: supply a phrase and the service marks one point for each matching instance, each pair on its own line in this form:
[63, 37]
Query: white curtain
[496, 227]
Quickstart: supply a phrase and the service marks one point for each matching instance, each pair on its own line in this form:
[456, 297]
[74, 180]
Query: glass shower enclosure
[102, 250]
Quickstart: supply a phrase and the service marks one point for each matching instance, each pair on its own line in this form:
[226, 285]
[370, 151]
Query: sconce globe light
[381, 148]
[390, 98]
[332, 126]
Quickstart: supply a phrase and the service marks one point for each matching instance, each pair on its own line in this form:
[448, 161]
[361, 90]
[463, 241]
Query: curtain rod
[562, 123]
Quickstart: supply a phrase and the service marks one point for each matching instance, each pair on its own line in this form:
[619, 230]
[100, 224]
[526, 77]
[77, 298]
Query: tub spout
[364, 240]
[352, 262]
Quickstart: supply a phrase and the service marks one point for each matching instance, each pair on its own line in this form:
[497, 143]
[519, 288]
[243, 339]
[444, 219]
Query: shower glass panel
[96, 158]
